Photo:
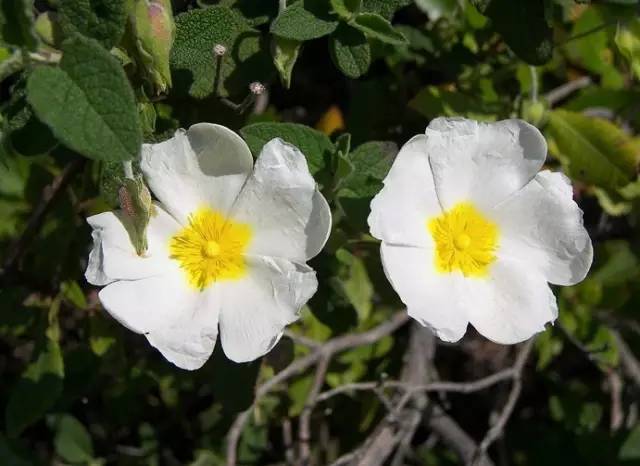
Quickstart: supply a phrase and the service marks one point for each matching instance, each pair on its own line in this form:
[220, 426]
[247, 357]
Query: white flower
[472, 233]
[227, 247]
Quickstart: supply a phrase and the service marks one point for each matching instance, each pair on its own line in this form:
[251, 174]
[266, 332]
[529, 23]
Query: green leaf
[103, 20]
[628, 42]
[436, 9]
[16, 24]
[304, 20]
[316, 146]
[371, 163]
[72, 440]
[385, 8]
[511, 18]
[346, 8]
[593, 150]
[350, 51]
[356, 285]
[285, 55]
[37, 390]
[197, 31]
[630, 449]
[376, 27]
[432, 101]
[88, 102]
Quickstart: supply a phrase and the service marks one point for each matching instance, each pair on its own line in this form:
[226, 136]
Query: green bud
[535, 113]
[137, 206]
[154, 31]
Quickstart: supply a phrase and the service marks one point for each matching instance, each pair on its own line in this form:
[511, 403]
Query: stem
[534, 83]
[282, 5]
[127, 166]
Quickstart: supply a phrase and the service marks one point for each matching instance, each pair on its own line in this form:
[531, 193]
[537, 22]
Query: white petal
[482, 162]
[542, 225]
[188, 340]
[512, 305]
[179, 321]
[399, 212]
[289, 218]
[256, 308]
[113, 256]
[205, 166]
[431, 298]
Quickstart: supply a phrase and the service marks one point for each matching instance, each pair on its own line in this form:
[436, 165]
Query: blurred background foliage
[348, 81]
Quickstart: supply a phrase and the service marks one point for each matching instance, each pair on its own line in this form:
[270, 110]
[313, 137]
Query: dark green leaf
[103, 20]
[316, 146]
[371, 163]
[350, 51]
[511, 19]
[72, 441]
[36, 391]
[305, 20]
[88, 102]
[376, 27]
[16, 24]
[630, 449]
[346, 8]
[385, 8]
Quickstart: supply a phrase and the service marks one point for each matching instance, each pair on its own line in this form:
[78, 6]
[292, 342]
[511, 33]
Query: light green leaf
[593, 150]
[285, 55]
[103, 20]
[37, 390]
[73, 293]
[305, 20]
[72, 440]
[356, 285]
[16, 24]
[350, 51]
[346, 8]
[628, 42]
[87, 102]
[376, 27]
[316, 146]
[197, 31]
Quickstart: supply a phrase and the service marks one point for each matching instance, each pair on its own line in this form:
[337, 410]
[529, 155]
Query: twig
[628, 360]
[562, 92]
[49, 195]
[497, 429]
[287, 438]
[302, 340]
[298, 366]
[304, 425]
[615, 386]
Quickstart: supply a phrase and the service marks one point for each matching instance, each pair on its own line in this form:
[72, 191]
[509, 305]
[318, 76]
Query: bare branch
[497, 429]
[628, 360]
[304, 426]
[562, 92]
[298, 366]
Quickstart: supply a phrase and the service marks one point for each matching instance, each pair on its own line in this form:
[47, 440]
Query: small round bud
[257, 88]
[219, 50]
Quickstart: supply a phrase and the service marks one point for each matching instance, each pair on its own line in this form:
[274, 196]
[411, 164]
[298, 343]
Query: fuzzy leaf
[87, 102]
[376, 27]
[72, 441]
[385, 8]
[103, 20]
[316, 146]
[593, 150]
[350, 51]
[285, 55]
[305, 20]
[346, 8]
[371, 163]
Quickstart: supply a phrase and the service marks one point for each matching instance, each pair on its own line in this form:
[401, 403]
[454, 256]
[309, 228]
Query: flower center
[465, 241]
[210, 248]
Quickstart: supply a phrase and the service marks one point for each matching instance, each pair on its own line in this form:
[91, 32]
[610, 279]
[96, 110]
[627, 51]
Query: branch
[298, 366]
[562, 92]
[49, 195]
[497, 429]
[304, 426]
[629, 362]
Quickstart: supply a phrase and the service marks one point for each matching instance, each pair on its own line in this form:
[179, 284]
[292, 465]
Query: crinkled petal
[179, 321]
[205, 166]
[113, 256]
[431, 298]
[542, 225]
[400, 211]
[289, 218]
[512, 304]
[482, 162]
[257, 308]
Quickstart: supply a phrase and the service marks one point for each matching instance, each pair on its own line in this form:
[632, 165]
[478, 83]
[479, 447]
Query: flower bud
[257, 88]
[154, 30]
[219, 50]
[136, 204]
